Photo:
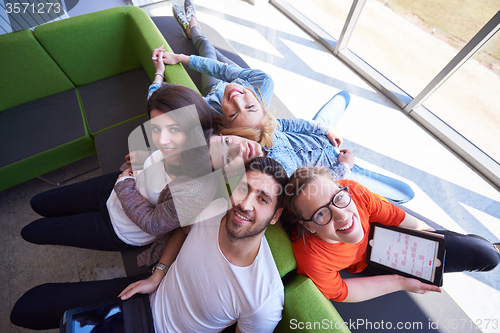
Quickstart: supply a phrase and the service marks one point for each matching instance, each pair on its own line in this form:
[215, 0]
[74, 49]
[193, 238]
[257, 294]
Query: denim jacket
[302, 143]
[152, 88]
[254, 79]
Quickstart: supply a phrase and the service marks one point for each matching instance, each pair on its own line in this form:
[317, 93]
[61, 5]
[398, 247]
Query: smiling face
[232, 152]
[344, 225]
[167, 135]
[254, 200]
[240, 107]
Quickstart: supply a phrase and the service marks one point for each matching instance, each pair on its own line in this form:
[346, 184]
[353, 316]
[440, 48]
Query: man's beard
[248, 233]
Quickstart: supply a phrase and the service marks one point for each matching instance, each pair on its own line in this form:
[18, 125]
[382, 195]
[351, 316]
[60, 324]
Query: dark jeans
[42, 307]
[468, 253]
[464, 253]
[207, 50]
[76, 215]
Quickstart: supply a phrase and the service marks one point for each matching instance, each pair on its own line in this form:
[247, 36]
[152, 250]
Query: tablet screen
[114, 316]
[407, 251]
[105, 319]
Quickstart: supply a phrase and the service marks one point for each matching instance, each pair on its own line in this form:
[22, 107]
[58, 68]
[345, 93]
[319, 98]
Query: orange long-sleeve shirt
[322, 261]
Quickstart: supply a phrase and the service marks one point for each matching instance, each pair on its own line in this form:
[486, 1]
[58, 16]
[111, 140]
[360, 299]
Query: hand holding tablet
[407, 252]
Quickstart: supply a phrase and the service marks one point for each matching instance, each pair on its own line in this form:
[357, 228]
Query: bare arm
[334, 136]
[346, 157]
[365, 288]
[159, 65]
[170, 58]
[149, 285]
[411, 222]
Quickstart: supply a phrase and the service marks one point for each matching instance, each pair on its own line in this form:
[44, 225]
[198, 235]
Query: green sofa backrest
[27, 71]
[281, 248]
[307, 310]
[98, 45]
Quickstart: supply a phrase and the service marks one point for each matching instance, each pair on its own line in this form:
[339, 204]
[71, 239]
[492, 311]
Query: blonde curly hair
[263, 133]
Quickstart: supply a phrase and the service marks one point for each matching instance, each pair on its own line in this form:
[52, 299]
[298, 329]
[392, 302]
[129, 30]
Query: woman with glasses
[329, 221]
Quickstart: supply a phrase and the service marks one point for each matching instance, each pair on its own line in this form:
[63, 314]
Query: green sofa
[78, 86]
[306, 309]
[64, 83]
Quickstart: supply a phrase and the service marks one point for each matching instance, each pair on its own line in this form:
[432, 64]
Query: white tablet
[411, 253]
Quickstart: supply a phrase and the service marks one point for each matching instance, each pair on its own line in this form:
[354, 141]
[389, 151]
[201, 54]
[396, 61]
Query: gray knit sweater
[191, 197]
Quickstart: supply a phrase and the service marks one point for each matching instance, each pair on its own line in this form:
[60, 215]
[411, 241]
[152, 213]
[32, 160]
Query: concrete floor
[306, 75]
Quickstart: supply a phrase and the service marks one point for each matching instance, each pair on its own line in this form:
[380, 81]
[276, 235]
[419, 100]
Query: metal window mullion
[305, 23]
[465, 53]
[486, 166]
[350, 25]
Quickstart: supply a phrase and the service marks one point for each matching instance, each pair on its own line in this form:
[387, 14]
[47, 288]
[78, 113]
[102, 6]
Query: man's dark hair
[273, 168]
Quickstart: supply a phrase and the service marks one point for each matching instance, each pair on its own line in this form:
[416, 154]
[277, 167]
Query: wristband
[161, 267]
[160, 75]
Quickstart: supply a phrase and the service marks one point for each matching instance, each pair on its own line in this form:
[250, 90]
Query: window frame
[477, 159]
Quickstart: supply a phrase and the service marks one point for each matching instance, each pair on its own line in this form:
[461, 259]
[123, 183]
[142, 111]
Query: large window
[398, 47]
[469, 101]
[422, 49]
[410, 42]
[329, 15]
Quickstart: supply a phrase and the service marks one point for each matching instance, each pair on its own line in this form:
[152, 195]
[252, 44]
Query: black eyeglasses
[323, 215]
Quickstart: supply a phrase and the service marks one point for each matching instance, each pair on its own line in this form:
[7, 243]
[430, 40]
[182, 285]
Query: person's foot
[181, 19]
[190, 9]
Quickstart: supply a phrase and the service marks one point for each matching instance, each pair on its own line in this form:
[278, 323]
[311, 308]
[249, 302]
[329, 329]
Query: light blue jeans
[385, 186]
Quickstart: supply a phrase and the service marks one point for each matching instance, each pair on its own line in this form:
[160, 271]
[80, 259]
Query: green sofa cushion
[307, 310]
[111, 157]
[47, 161]
[40, 136]
[281, 248]
[60, 56]
[37, 126]
[28, 72]
[115, 100]
[141, 25]
[98, 45]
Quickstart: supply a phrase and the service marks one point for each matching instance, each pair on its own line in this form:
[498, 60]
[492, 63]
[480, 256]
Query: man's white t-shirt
[204, 292]
[149, 182]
